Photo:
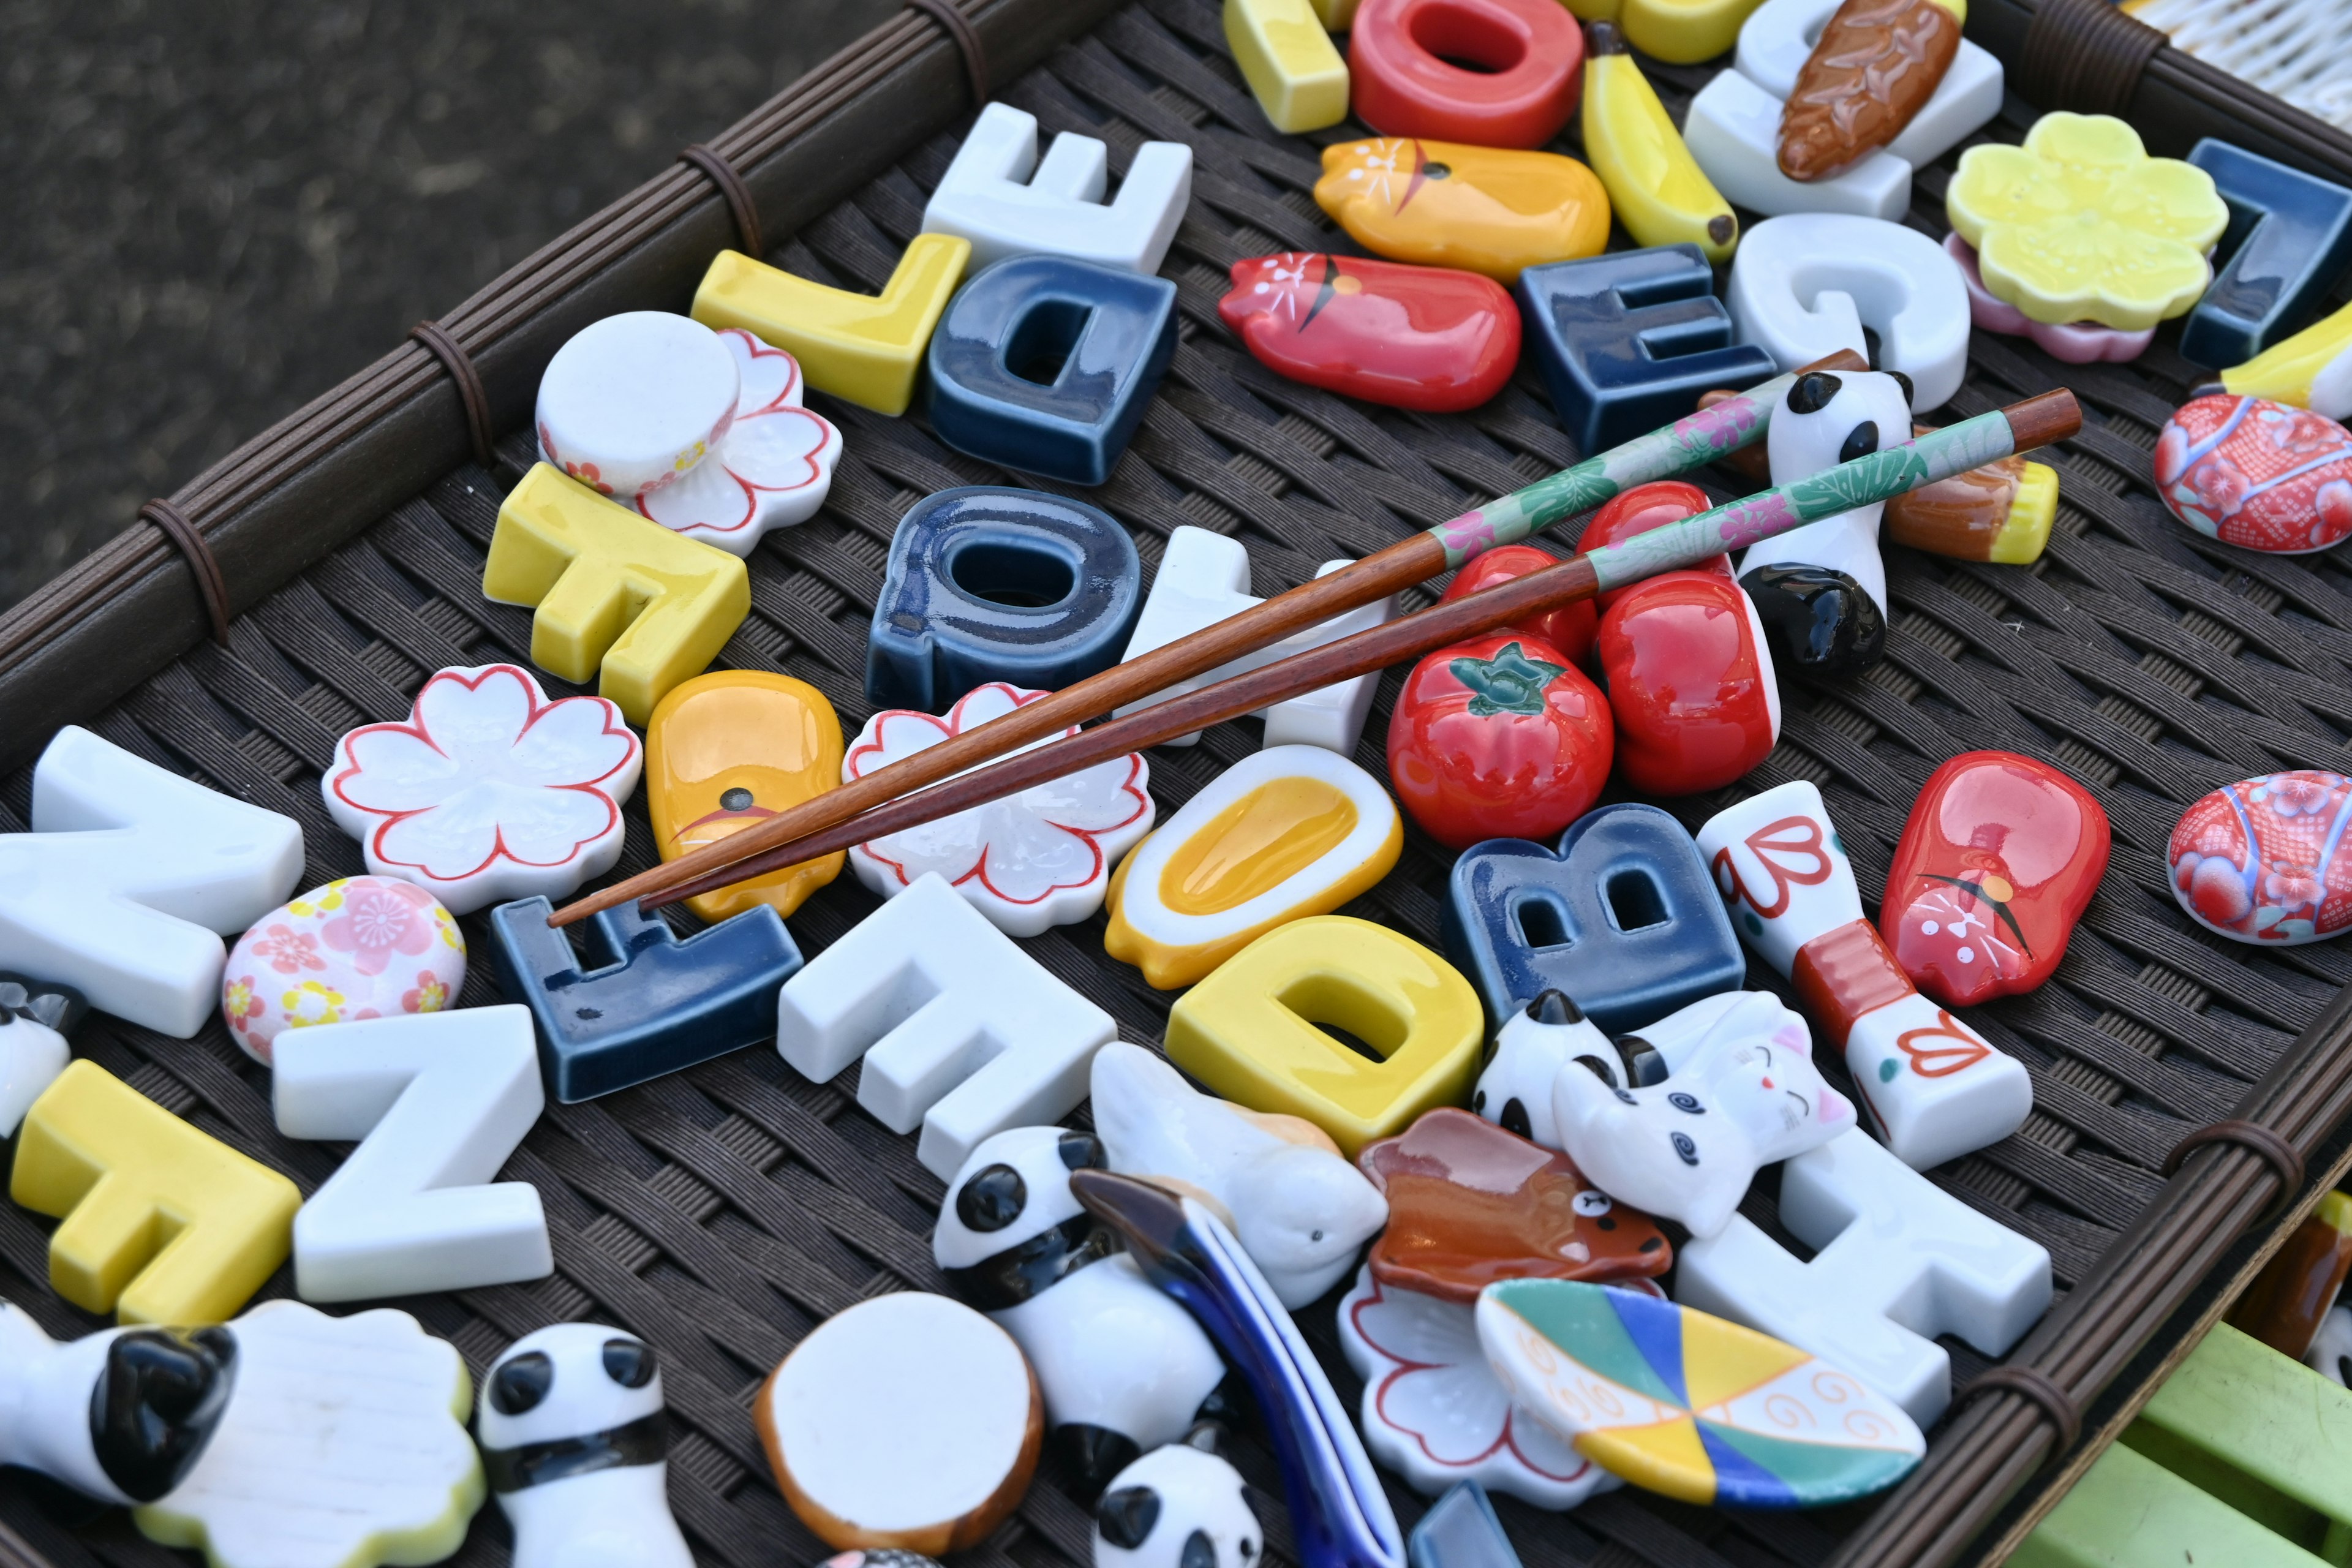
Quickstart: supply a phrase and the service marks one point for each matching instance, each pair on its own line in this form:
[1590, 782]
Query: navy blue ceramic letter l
[2290, 236]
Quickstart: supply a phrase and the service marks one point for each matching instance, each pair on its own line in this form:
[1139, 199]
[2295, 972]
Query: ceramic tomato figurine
[1569, 628]
[1690, 682]
[1501, 737]
[1640, 510]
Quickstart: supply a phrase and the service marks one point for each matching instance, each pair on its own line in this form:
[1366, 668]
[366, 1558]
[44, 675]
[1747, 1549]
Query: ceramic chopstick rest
[1002, 197]
[1501, 736]
[1433, 1412]
[879, 1557]
[1808, 285]
[962, 1033]
[572, 1434]
[1690, 680]
[1656, 188]
[1733, 131]
[864, 348]
[2288, 1300]
[645, 1003]
[1292, 67]
[361, 947]
[35, 1020]
[1340, 1518]
[732, 748]
[1534, 1042]
[1253, 1030]
[437, 1104]
[2071, 342]
[1447, 204]
[1897, 1262]
[1029, 862]
[1570, 628]
[2261, 861]
[128, 878]
[1852, 76]
[1742, 1093]
[1179, 1506]
[1492, 73]
[1426, 338]
[616, 598]
[1289, 832]
[285, 1440]
[988, 582]
[702, 432]
[1688, 1404]
[1299, 1210]
[907, 1421]
[162, 1222]
[2312, 370]
[1460, 1532]
[1122, 1368]
[1930, 1085]
[2257, 474]
[1204, 578]
[1999, 858]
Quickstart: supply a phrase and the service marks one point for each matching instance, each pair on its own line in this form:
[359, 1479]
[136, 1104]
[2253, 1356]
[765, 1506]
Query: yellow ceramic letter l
[164, 1224]
[1249, 1031]
[1289, 62]
[866, 347]
[732, 748]
[649, 606]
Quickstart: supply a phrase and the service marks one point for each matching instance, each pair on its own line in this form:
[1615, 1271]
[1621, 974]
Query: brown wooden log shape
[1877, 64]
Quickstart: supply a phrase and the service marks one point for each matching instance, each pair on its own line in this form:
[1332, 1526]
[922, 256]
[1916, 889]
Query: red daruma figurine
[1502, 737]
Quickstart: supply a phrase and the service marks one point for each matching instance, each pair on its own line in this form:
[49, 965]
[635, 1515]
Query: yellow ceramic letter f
[866, 347]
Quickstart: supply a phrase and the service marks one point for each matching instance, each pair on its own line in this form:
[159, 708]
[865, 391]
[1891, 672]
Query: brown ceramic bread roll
[1877, 62]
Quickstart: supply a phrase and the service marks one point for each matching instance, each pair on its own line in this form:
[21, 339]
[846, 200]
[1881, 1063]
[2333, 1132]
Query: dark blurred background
[216, 209]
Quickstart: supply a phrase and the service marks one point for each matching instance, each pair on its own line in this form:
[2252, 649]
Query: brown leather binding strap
[2280, 1154]
[461, 366]
[738, 194]
[2084, 55]
[2028, 1384]
[211, 587]
[967, 42]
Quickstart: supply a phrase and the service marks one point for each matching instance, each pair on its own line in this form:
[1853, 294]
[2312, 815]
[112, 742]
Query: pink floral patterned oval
[364, 947]
[2264, 859]
[2252, 472]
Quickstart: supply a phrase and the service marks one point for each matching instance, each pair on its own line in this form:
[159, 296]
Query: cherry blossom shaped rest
[488, 792]
[1039, 858]
[771, 470]
[363, 947]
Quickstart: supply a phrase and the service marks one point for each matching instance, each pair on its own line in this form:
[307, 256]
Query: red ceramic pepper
[1568, 628]
[1425, 338]
[1690, 681]
[1502, 737]
[1530, 60]
[1640, 510]
[1999, 860]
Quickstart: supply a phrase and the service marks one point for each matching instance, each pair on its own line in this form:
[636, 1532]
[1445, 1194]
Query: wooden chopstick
[2021, 426]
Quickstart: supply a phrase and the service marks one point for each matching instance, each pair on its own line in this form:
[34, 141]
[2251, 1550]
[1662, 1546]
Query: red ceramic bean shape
[1997, 861]
[1400, 61]
[1568, 628]
[2252, 472]
[1640, 510]
[1425, 338]
[1501, 737]
[1690, 682]
[2264, 859]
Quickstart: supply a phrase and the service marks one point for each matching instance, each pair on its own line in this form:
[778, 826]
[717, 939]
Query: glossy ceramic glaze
[771, 470]
[1569, 628]
[733, 748]
[164, 1392]
[1639, 510]
[2080, 223]
[1807, 285]
[33, 1051]
[1460, 1532]
[2261, 859]
[1470, 1203]
[1492, 73]
[1447, 204]
[1690, 683]
[864, 348]
[1043, 364]
[1289, 61]
[363, 947]
[1999, 513]
[1679, 32]
[1532, 1045]
[2073, 342]
[1874, 66]
[963, 1033]
[2258, 474]
[1656, 188]
[1177, 1507]
[1998, 860]
[635, 402]
[1249, 1031]
[2289, 1299]
[1033, 860]
[1784, 36]
[1499, 738]
[644, 1003]
[1290, 832]
[162, 1223]
[1688, 1404]
[1002, 197]
[1413, 337]
[2310, 370]
[1733, 131]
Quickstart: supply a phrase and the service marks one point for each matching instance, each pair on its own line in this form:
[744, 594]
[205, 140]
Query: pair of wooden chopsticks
[933, 783]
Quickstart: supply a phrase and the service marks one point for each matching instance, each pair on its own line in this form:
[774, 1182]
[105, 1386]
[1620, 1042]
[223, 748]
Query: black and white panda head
[1177, 1507]
[570, 1399]
[1828, 419]
[1012, 1200]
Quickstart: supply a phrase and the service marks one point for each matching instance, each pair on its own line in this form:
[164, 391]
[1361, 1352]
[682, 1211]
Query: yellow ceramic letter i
[866, 347]
[1289, 62]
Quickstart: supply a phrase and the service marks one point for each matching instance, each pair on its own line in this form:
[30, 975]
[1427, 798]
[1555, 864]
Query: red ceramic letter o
[1527, 58]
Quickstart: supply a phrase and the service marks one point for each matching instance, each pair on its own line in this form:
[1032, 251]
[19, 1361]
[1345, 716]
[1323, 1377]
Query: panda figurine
[1178, 1506]
[572, 1440]
[1514, 1092]
[1123, 1367]
[123, 1415]
[1820, 590]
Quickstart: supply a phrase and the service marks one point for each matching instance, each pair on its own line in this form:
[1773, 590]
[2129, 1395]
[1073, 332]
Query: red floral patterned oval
[2249, 471]
[2264, 860]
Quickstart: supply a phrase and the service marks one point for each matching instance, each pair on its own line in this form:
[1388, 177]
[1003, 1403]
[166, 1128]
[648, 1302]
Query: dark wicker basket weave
[722, 1213]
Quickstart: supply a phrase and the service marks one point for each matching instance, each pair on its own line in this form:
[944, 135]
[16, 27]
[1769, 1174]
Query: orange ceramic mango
[1444, 203]
[735, 747]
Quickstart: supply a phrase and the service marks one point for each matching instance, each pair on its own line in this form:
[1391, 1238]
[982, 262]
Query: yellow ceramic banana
[1656, 187]
[2310, 370]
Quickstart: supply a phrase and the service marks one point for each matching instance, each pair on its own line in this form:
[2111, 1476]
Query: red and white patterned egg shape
[2252, 472]
[2264, 859]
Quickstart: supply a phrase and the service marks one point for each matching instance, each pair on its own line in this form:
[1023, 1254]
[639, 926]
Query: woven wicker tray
[723, 1211]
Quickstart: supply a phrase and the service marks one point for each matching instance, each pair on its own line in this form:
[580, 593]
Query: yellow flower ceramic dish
[1290, 832]
[1445, 204]
[731, 749]
[2081, 224]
